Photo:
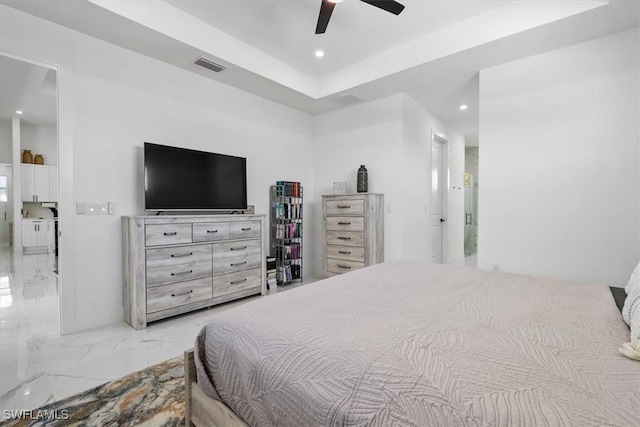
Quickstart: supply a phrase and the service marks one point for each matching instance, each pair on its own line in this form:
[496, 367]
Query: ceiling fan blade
[390, 6]
[325, 14]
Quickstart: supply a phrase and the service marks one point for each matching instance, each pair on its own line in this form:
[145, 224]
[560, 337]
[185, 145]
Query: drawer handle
[238, 263]
[344, 223]
[344, 206]
[212, 231]
[344, 238]
[177, 294]
[246, 229]
[173, 233]
[181, 255]
[182, 273]
[344, 266]
[239, 281]
[345, 252]
[238, 249]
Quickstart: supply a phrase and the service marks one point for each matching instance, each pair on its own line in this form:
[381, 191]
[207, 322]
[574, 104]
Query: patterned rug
[151, 397]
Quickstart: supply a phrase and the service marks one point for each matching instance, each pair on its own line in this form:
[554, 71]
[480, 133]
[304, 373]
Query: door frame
[66, 262]
[445, 171]
[10, 202]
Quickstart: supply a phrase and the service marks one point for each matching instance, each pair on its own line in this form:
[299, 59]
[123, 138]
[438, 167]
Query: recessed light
[319, 53]
[18, 112]
[463, 107]
[28, 392]
[335, 1]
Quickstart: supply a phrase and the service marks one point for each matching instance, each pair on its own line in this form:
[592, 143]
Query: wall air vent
[206, 63]
[347, 99]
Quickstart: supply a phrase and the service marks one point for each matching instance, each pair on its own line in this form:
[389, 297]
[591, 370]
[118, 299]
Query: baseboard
[458, 260]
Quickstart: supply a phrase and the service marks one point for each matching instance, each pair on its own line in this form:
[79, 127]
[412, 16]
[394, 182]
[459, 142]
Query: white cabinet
[53, 183]
[38, 233]
[38, 181]
[29, 235]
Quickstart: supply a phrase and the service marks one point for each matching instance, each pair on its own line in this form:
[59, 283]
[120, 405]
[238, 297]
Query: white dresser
[176, 264]
[353, 226]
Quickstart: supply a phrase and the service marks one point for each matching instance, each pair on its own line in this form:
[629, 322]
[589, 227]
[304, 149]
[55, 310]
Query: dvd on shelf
[286, 230]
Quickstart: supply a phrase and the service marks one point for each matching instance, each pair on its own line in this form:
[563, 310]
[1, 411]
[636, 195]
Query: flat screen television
[179, 179]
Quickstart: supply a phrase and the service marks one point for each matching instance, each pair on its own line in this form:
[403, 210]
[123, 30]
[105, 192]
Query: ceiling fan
[327, 8]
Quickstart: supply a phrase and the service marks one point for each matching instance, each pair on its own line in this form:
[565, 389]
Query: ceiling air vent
[347, 99]
[204, 62]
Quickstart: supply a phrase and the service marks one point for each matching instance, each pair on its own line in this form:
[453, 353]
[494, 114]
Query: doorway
[470, 214]
[29, 158]
[439, 175]
[471, 192]
[6, 208]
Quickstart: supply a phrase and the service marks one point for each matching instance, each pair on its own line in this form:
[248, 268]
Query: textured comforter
[411, 344]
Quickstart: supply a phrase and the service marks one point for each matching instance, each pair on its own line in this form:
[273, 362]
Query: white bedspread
[411, 344]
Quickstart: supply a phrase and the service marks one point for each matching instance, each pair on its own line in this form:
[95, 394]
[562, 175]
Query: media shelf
[286, 230]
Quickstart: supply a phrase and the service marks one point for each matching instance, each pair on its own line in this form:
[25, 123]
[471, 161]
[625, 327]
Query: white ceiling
[432, 51]
[285, 29]
[30, 89]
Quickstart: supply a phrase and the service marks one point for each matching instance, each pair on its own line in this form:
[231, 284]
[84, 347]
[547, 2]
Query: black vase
[363, 180]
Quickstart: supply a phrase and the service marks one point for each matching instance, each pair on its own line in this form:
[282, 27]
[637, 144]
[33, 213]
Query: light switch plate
[112, 208]
[80, 208]
[96, 208]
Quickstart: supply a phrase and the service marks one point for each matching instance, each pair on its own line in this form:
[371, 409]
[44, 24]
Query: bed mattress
[413, 344]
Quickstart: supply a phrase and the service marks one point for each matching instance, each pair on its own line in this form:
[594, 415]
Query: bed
[413, 344]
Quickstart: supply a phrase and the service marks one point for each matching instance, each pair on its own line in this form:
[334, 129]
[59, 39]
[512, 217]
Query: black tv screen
[181, 179]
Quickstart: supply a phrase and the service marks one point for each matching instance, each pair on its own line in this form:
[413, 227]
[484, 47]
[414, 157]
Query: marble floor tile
[40, 366]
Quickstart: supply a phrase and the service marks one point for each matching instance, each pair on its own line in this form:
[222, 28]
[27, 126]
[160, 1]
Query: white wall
[369, 134]
[560, 175]
[392, 137]
[40, 140]
[5, 141]
[111, 101]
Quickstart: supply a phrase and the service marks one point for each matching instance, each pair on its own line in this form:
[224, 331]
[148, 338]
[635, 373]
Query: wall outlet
[80, 208]
[495, 267]
[387, 208]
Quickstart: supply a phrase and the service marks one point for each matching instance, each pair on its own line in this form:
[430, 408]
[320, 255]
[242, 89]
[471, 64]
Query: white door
[42, 183]
[5, 203]
[437, 205]
[28, 183]
[53, 183]
[44, 232]
[29, 235]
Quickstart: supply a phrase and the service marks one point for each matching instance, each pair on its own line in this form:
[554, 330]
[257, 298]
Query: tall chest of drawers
[177, 264]
[353, 226]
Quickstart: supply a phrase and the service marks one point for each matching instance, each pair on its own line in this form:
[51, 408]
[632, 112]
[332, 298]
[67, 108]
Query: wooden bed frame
[200, 409]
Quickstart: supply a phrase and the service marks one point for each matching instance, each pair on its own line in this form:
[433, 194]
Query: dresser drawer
[244, 230]
[237, 282]
[346, 238]
[349, 253]
[238, 263]
[157, 276]
[345, 207]
[167, 234]
[209, 232]
[342, 266]
[235, 249]
[177, 294]
[165, 257]
[345, 223]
